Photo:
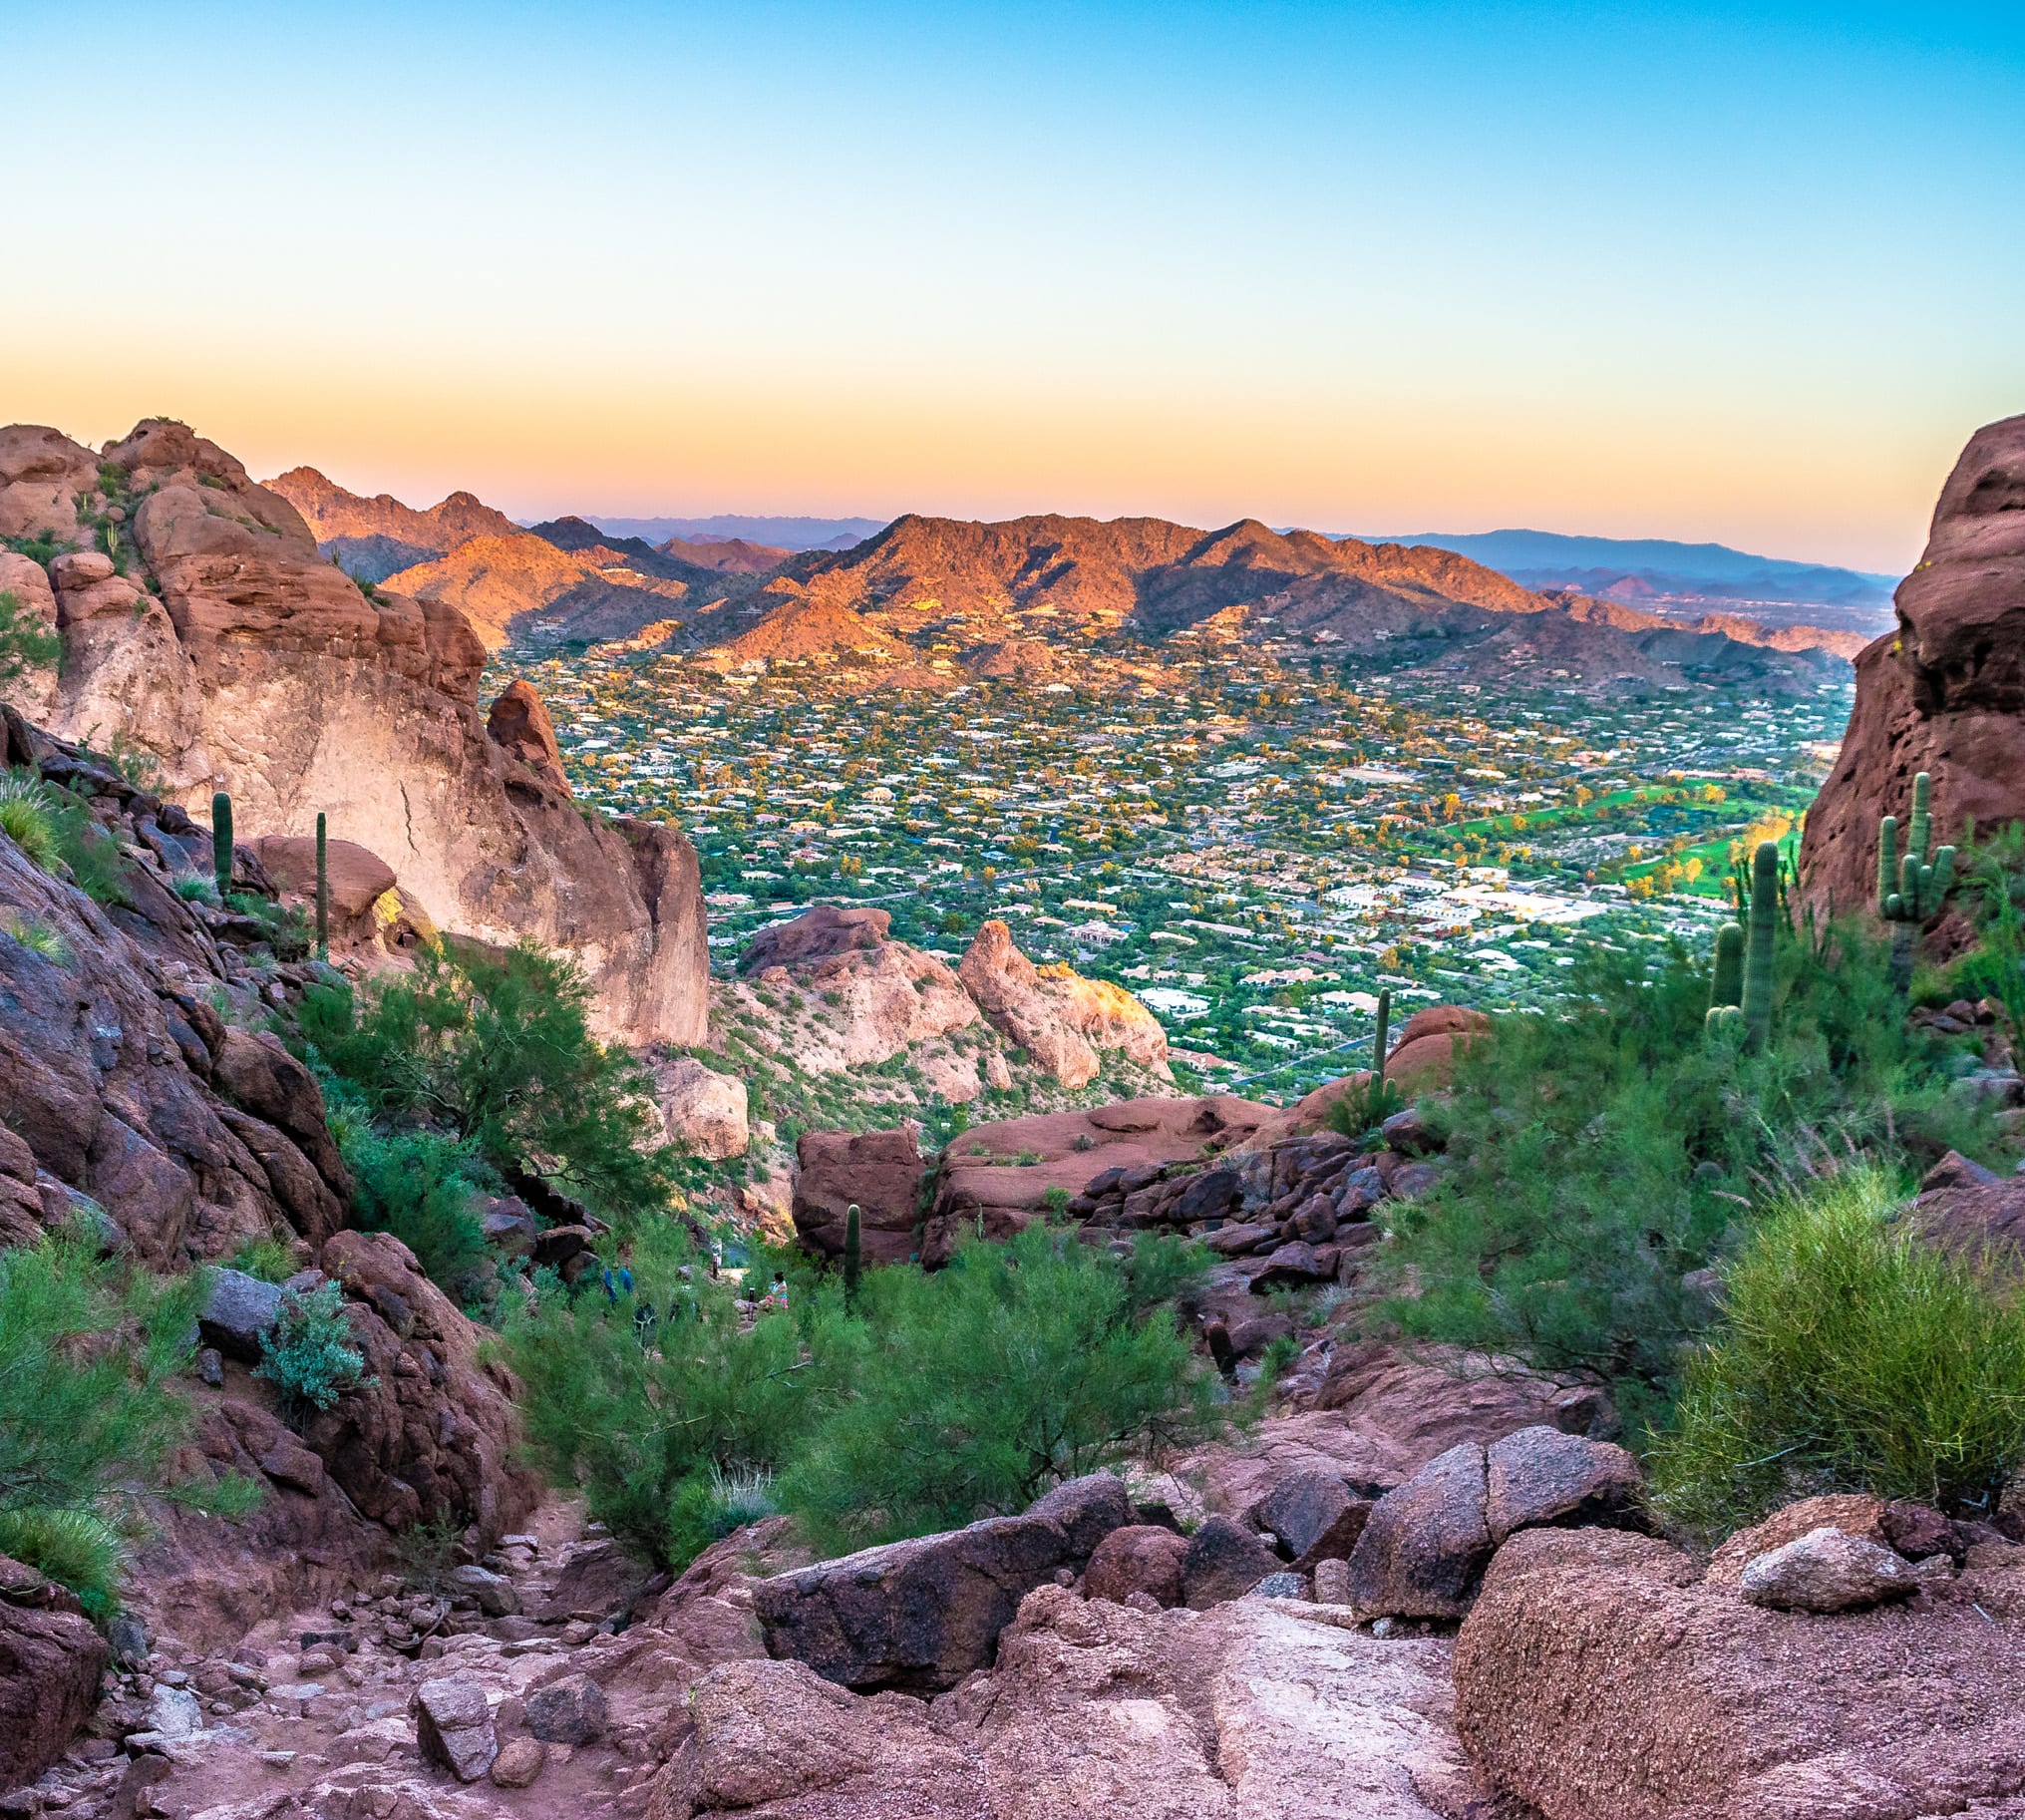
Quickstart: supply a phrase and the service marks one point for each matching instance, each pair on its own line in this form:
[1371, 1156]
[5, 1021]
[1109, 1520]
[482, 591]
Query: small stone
[576, 1633]
[1827, 1570]
[277, 1759]
[1332, 1582]
[210, 1367]
[174, 1713]
[569, 1711]
[494, 1593]
[1282, 1585]
[519, 1762]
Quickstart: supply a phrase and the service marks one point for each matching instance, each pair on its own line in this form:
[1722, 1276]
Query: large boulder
[50, 1663]
[1827, 1570]
[1944, 692]
[881, 1173]
[1313, 1517]
[701, 1110]
[1426, 1543]
[1540, 1476]
[1140, 1557]
[1224, 1559]
[1061, 1020]
[1596, 1678]
[921, 1615]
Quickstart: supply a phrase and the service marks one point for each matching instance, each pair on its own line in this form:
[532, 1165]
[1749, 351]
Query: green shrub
[1850, 1357]
[25, 641]
[654, 1429]
[1017, 1367]
[495, 1047]
[89, 1413]
[271, 1259]
[194, 888]
[308, 1353]
[422, 1187]
[1599, 1153]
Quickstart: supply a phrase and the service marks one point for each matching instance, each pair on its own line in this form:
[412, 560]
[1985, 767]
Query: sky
[1740, 273]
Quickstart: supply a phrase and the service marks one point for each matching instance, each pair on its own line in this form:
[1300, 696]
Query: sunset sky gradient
[1743, 273]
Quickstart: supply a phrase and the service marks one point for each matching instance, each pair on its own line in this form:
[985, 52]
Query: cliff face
[215, 639]
[1945, 694]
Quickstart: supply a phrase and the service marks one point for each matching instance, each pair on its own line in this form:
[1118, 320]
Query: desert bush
[88, 1412]
[658, 1402]
[1017, 1367]
[494, 1047]
[308, 1353]
[423, 1186]
[1599, 1153]
[1850, 1357]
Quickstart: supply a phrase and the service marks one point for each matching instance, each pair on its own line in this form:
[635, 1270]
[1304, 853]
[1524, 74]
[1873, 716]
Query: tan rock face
[1593, 1683]
[262, 670]
[1945, 694]
[702, 1110]
[1060, 1018]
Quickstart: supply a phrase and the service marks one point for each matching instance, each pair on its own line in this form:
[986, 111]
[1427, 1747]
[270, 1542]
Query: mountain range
[731, 527]
[1680, 580]
[928, 600]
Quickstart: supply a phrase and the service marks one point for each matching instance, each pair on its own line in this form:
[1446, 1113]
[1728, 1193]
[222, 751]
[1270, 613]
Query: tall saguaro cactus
[1911, 887]
[322, 891]
[222, 840]
[1759, 942]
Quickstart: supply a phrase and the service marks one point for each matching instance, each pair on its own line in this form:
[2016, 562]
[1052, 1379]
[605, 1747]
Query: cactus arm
[1887, 864]
[1943, 875]
[1922, 821]
[1759, 942]
[1728, 986]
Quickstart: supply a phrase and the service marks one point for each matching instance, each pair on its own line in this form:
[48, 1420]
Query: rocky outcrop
[234, 656]
[1596, 1678]
[1061, 1020]
[820, 932]
[1946, 692]
[921, 1615]
[50, 1662]
[123, 1095]
[1260, 1708]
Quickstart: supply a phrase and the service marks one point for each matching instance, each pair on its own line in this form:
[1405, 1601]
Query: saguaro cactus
[1911, 889]
[222, 840]
[322, 891]
[854, 1257]
[1759, 944]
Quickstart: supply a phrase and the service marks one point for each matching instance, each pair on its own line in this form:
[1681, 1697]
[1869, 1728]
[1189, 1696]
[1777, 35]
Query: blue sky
[1740, 273]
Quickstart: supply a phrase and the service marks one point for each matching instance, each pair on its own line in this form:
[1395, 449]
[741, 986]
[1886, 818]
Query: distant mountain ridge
[1679, 579]
[926, 600]
[785, 532]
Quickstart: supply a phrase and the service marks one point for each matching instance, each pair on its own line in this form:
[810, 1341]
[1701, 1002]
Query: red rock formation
[242, 661]
[1945, 694]
[50, 1662]
[1060, 1018]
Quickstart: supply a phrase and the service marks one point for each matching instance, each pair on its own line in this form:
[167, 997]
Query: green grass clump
[26, 642]
[36, 936]
[1851, 1357]
[88, 1412]
[28, 817]
[267, 1258]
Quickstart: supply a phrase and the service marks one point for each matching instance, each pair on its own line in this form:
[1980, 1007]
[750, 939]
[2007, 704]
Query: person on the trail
[617, 1284]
